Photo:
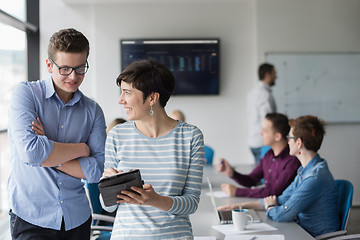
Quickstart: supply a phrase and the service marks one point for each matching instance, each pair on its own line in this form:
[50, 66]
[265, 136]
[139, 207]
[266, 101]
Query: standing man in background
[260, 102]
[57, 137]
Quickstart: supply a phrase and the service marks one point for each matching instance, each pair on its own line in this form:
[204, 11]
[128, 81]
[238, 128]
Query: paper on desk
[258, 237]
[205, 238]
[218, 194]
[229, 229]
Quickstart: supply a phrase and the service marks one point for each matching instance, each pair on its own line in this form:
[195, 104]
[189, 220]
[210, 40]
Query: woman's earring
[151, 111]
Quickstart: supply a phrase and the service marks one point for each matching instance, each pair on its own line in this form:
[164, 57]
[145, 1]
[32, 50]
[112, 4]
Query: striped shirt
[173, 164]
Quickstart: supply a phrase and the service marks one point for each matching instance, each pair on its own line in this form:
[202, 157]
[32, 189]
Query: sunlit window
[15, 8]
[13, 69]
[12, 66]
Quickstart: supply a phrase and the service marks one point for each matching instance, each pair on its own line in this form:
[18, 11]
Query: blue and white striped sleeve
[189, 201]
[110, 150]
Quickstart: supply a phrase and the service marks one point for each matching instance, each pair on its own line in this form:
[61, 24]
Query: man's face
[267, 132]
[272, 77]
[65, 86]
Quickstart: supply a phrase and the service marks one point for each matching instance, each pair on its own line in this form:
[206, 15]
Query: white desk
[205, 216]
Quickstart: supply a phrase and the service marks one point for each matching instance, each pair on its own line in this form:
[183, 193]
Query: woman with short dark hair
[169, 154]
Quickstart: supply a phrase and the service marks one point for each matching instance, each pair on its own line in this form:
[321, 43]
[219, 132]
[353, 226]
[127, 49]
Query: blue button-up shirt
[311, 199]
[43, 195]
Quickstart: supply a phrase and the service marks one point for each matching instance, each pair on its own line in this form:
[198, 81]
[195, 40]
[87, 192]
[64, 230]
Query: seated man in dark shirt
[277, 167]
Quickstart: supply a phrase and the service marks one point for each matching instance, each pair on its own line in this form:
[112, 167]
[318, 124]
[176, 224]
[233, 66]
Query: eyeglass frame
[72, 68]
[289, 137]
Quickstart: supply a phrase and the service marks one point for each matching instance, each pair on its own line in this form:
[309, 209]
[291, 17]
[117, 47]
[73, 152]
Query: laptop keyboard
[225, 215]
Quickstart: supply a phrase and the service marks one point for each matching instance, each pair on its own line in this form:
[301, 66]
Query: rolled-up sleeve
[306, 193]
[32, 149]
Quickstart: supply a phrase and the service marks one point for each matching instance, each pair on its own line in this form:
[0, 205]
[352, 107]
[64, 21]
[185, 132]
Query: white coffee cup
[240, 219]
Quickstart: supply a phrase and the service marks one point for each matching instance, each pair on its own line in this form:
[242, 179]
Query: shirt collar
[49, 86]
[50, 91]
[309, 167]
[264, 85]
[284, 153]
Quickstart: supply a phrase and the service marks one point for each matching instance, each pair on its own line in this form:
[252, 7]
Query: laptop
[225, 216]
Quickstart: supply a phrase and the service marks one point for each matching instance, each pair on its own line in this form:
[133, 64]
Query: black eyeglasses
[65, 71]
[289, 137]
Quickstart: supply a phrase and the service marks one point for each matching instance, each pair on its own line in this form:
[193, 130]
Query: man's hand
[224, 167]
[229, 189]
[38, 127]
[229, 207]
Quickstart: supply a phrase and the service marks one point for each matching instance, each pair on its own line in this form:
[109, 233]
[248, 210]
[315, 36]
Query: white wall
[318, 26]
[247, 29]
[221, 118]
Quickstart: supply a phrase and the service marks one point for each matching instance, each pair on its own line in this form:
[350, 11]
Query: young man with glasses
[277, 167]
[57, 137]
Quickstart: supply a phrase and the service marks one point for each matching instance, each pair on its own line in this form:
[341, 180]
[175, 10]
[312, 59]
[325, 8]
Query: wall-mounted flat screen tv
[193, 62]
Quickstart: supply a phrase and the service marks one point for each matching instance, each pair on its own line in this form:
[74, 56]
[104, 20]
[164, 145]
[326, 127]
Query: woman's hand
[145, 196]
[38, 127]
[110, 171]
[270, 200]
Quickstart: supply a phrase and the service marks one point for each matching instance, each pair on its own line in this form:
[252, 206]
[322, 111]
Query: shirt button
[62, 126]
[60, 183]
[273, 159]
[286, 207]
[61, 201]
[269, 170]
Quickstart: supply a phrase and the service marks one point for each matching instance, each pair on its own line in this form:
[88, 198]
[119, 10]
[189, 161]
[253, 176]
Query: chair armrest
[331, 235]
[101, 228]
[351, 236]
[103, 217]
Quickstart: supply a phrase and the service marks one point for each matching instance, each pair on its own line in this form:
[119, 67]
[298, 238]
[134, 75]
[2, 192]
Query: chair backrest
[264, 149]
[345, 196]
[94, 194]
[209, 154]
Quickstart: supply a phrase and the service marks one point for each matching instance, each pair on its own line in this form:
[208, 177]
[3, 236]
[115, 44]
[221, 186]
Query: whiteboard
[326, 85]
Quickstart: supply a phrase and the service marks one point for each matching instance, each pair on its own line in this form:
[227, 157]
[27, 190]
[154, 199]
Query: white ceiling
[74, 2]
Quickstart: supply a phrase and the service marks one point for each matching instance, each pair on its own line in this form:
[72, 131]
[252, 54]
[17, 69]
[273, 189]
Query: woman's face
[292, 143]
[133, 102]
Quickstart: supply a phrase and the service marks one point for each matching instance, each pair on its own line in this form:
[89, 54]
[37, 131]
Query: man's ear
[278, 136]
[49, 65]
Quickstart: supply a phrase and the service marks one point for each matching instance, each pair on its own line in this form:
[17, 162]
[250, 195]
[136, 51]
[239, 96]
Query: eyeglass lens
[68, 70]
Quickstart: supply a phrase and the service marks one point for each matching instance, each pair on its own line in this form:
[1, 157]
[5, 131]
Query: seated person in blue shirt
[57, 137]
[311, 199]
